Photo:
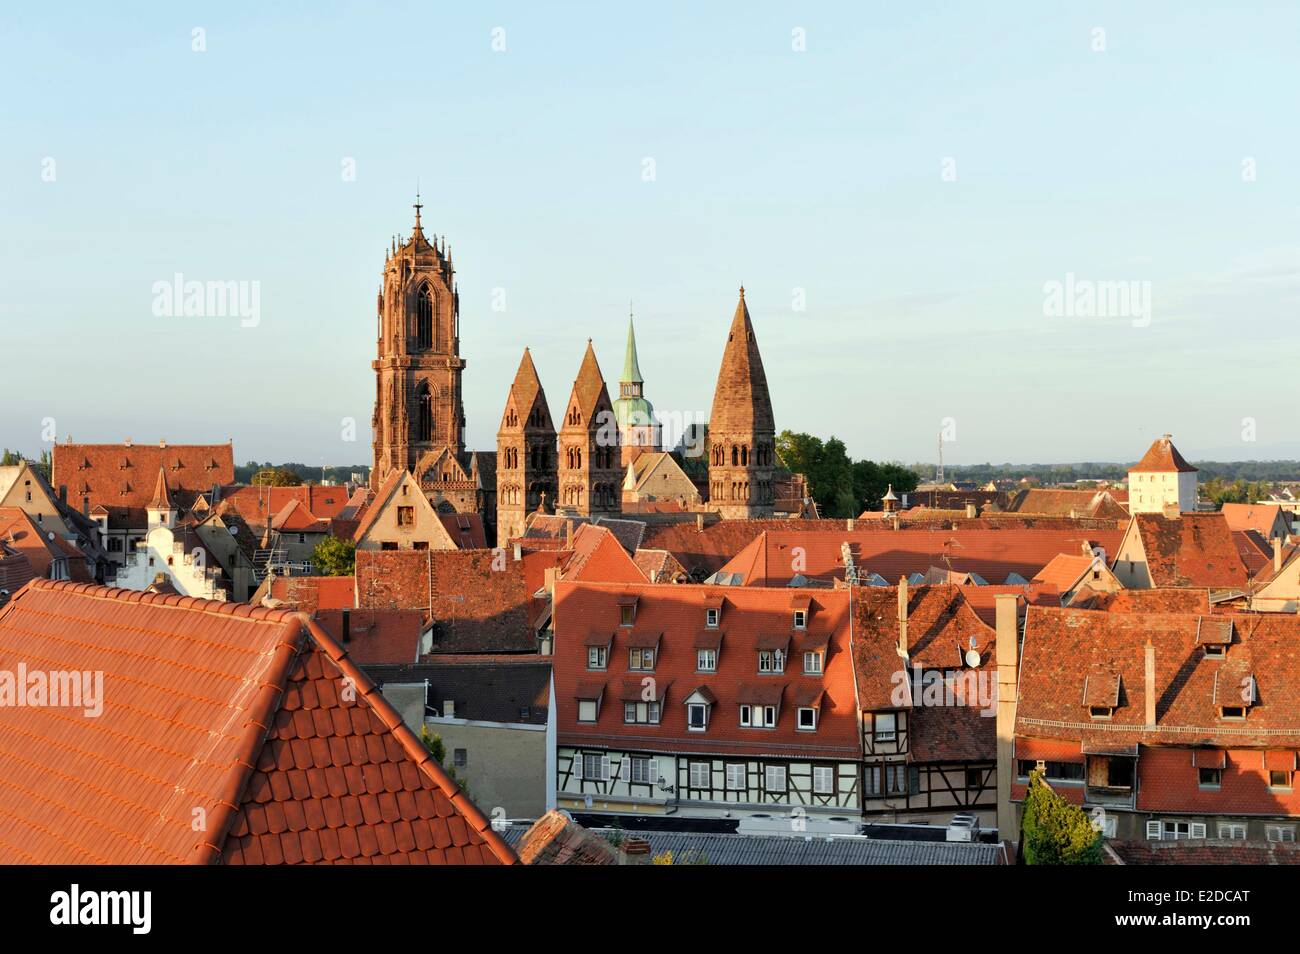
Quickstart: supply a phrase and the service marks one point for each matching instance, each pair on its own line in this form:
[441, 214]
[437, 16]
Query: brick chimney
[971, 511]
[634, 851]
[1149, 686]
[848, 524]
[568, 534]
[1277, 554]
[1007, 654]
[699, 523]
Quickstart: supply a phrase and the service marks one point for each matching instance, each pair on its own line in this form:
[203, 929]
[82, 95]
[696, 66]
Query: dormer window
[706, 660]
[627, 611]
[1234, 692]
[800, 619]
[1232, 712]
[771, 661]
[1101, 712]
[1214, 635]
[812, 663]
[758, 717]
[1216, 651]
[699, 705]
[641, 659]
[597, 657]
[711, 618]
[807, 719]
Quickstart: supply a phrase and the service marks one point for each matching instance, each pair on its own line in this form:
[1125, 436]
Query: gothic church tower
[525, 453]
[419, 418]
[589, 468]
[742, 430]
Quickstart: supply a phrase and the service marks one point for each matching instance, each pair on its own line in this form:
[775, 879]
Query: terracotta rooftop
[1192, 549]
[253, 721]
[307, 594]
[1259, 517]
[375, 636]
[20, 533]
[123, 477]
[1144, 601]
[1162, 457]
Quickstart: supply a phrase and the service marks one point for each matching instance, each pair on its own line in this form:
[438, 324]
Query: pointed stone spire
[631, 369]
[162, 499]
[527, 385]
[741, 400]
[590, 383]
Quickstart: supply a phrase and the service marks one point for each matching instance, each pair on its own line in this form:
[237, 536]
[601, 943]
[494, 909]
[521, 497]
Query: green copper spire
[631, 370]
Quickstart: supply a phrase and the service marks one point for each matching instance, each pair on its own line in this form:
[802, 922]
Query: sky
[908, 193]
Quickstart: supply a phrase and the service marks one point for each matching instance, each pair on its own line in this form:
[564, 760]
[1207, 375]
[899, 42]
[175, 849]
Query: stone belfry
[742, 430]
[419, 418]
[590, 472]
[525, 453]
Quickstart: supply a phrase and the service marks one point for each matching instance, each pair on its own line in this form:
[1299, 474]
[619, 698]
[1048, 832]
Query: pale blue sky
[818, 170]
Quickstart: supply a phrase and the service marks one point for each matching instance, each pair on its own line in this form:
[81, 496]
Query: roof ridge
[259, 614]
[408, 740]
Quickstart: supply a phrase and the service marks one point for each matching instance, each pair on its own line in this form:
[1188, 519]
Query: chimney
[63, 494]
[1007, 655]
[699, 523]
[1277, 554]
[449, 708]
[1149, 686]
[971, 512]
[568, 534]
[848, 524]
[519, 551]
[895, 521]
[902, 616]
[347, 626]
[904, 501]
[634, 851]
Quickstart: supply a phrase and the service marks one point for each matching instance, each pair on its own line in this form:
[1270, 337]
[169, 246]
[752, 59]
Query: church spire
[631, 369]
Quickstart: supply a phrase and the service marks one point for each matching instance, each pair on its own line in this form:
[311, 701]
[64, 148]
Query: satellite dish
[972, 659]
[234, 531]
[50, 536]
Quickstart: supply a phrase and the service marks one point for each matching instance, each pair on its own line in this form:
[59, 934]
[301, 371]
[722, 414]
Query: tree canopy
[841, 486]
[1054, 832]
[334, 557]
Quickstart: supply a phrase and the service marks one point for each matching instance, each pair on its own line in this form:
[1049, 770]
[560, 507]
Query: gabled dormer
[1214, 636]
[1235, 692]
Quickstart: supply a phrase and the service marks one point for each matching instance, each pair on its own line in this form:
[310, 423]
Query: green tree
[1054, 832]
[334, 557]
[433, 742]
[841, 486]
[10, 458]
[276, 477]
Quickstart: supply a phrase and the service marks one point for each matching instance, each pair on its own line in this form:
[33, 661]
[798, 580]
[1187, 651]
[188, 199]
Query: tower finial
[418, 205]
[742, 291]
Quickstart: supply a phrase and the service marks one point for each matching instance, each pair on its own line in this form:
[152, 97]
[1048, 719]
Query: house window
[641, 659]
[643, 770]
[406, 516]
[597, 656]
[812, 663]
[302, 538]
[1210, 777]
[774, 779]
[388, 545]
[1278, 833]
[586, 710]
[700, 775]
[1054, 771]
[1232, 831]
[1278, 779]
[735, 777]
[1215, 649]
[460, 757]
[758, 717]
[646, 713]
[626, 614]
[1233, 712]
[800, 619]
[885, 727]
[711, 618]
[1100, 712]
[974, 779]
[706, 660]
[697, 717]
[807, 719]
[771, 661]
[823, 779]
[114, 545]
[1176, 830]
[595, 767]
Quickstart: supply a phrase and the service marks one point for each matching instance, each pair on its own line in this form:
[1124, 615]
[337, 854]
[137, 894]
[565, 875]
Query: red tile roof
[598, 557]
[1066, 503]
[774, 557]
[15, 571]
[251, 720]
[1260, 517]
[1144, 601]
[1062, 646]
[20, 533]
[374, 637]
[478, 600]
[122, 477]
[465, 529]
[1064, 570]
[1191, 549]
[1162, 457]
[257, 503]
[678, 613]
[308, 594]
[1203, 851]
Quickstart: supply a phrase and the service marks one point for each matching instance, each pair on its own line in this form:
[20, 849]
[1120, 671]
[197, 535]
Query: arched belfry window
[424, 416]
[424, 318]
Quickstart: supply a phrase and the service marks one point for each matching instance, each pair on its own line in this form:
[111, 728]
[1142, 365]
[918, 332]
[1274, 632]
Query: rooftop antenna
[938, 477]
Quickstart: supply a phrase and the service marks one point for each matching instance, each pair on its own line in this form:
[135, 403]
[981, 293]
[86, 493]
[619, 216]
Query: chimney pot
[1149, 686]
[1277, 554]
[699, 523]
[902, 616]
[971, 512]
[449, 708]
[848, 524]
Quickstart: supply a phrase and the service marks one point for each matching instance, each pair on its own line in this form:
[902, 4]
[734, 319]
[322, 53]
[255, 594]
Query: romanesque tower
[525, 453]
[638, 432]
[742, 431]
[419, 418]
[589, 468]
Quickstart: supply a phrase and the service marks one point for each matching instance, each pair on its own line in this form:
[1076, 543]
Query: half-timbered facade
[925, 674]
[705, 700]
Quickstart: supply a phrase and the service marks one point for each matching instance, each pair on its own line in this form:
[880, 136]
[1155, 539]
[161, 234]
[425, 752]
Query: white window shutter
[604, 767]
[1153, 830]
[577, 766]
[1198, 829]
